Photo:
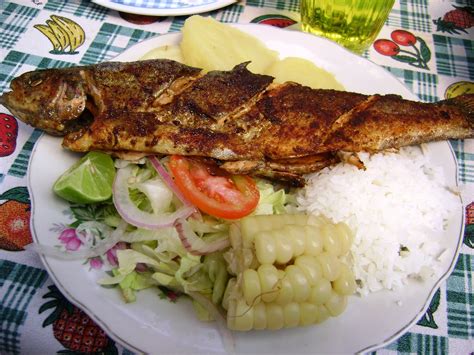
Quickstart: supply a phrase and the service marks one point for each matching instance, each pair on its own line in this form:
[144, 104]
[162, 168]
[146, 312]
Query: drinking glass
[352, 23]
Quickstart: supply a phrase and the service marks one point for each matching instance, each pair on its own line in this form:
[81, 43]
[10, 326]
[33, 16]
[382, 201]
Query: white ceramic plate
[164, 7]
[152, 325]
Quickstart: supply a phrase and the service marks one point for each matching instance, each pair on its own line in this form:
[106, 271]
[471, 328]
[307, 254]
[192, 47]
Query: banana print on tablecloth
[64, 34]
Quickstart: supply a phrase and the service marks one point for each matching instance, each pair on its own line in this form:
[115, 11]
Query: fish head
[47, 100]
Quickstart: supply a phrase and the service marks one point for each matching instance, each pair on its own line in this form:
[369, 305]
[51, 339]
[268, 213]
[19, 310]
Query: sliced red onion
[132, 214]
[196, 245]
[99, 249]
[218, 314]
[141, 267]
[160, 169]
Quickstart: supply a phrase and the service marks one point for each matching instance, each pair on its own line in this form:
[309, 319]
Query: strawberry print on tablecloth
[456, 21]
[8, 134]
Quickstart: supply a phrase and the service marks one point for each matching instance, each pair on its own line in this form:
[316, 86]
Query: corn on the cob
[282, 245]
[275, 316]
[296, 276]
[250, 226]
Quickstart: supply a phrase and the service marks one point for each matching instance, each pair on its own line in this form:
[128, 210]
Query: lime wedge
[87, 181]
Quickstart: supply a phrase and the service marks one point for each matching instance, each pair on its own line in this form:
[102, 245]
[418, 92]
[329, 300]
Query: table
[30, 322]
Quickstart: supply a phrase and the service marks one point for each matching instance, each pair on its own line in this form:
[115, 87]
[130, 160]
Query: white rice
[399, 200]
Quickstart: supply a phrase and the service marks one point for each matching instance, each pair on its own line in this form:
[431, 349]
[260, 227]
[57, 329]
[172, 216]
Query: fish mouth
[85, 119]
[82, 122]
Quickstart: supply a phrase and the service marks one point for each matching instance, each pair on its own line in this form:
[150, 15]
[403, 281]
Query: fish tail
[465, 103]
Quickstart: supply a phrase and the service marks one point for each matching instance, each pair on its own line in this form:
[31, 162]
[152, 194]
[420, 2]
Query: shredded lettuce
[215, 266]
[157, 193]
[148, 191]
[129, 258]
[191, 273]
[135, 282]
[273, 201]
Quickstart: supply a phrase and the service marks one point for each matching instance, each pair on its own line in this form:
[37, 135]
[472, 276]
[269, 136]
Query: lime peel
[87, 181]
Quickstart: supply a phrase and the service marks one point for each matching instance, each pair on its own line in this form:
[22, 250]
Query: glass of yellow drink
[352, 23]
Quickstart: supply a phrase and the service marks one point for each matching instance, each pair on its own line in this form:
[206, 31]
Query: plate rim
[164, 12]
[391, 338]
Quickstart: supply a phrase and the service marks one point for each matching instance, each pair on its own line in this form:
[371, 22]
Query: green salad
[134, 218]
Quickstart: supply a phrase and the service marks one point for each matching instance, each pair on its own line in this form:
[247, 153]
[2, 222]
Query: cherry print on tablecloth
[416, 55]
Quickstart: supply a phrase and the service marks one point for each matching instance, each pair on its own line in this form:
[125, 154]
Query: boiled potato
[304, 72]
[211, 45]
[172, 52]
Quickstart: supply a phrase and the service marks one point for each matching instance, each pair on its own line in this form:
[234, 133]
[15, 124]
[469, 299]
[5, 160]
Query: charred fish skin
[274, 130]
[197, 121]
[231, 115]
[385, 122]
[117, 88]
[238, 115]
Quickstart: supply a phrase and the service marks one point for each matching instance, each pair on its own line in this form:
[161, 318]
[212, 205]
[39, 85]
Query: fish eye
[34, 80]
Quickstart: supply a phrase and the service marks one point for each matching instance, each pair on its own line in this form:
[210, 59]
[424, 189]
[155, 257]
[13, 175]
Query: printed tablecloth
[34, 315]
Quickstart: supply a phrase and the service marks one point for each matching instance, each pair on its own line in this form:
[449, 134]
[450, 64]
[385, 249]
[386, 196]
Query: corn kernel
[291, 313]
[299, 283]
[251, 286]
[275, 319]
[265, 248]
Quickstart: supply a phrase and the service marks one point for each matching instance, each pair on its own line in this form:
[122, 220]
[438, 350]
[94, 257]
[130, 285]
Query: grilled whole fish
[246, 122]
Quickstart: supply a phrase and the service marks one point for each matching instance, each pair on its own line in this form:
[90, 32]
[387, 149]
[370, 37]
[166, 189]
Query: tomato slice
[213, 190]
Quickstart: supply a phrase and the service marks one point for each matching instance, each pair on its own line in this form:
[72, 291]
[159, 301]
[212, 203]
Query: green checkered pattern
[15, 20]
[231, 14]
[420, 344]
[422, 84]
[275, 4]
[465, 162]
[20, 165]
[460, 298]
[82, 8]
[411, 15]
[454, 56]
[18, 285]
[177, 24]
[454, 60]
[112, 40]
